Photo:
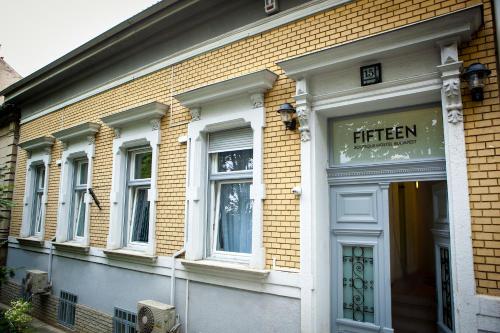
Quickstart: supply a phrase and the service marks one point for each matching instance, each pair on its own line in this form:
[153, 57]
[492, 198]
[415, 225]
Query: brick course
[281, 149]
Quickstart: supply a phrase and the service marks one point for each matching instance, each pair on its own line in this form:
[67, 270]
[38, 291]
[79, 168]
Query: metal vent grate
[67, 309]
[124, 321]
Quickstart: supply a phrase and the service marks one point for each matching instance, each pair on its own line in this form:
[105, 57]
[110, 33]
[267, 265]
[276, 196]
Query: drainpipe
[172, 278]
[51, 253]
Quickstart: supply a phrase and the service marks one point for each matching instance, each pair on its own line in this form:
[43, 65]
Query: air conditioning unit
[35, 282]
[155, 317]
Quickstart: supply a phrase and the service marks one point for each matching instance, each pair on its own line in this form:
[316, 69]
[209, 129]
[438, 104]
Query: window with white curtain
[231, 174]
[138, 186]
[77, 228]
[37, 206]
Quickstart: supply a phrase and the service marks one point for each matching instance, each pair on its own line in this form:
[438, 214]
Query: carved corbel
[195, 113]
[303, 113]
[257, 100]
[303, 108]
[118, 132]
[155, 124]
[90, 140]
[453, 100]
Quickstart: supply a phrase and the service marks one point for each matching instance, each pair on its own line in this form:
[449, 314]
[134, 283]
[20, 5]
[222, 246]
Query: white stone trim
[252, 29]
[254, 83]
[280, 283]
[39, 152]
[78, 141]
[133, 127]
[222, 113]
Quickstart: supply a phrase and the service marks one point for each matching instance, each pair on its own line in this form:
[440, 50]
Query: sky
[33, 33]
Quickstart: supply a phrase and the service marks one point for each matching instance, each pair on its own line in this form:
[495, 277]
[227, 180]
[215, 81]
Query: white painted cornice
[40, 143]
[80, 131]
[458, 26]
[147, 112]
[253, 83]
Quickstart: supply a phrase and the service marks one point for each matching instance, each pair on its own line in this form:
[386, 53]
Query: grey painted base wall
[211, 308]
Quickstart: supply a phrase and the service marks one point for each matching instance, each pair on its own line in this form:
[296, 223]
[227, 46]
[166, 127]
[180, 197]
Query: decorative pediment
[40, 143]
[458, 26]
[148, 112]
[78, 132]
[253, 83]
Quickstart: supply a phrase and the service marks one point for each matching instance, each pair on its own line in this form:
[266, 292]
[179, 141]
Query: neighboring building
[9, 135]
[155, 154]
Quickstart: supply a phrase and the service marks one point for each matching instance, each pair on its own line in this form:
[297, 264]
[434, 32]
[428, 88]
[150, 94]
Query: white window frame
[230, 104]
[134, 128]
[75, 200]
[39, 153]
[78, 144]
[240, 177]
[132, 186]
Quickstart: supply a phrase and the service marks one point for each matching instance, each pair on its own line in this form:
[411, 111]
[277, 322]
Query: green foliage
[5, 273]
[17, 319]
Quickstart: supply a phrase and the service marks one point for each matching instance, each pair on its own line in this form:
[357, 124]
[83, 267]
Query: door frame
[356, 176]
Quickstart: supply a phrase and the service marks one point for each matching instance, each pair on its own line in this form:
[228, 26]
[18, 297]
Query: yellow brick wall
[281, 149]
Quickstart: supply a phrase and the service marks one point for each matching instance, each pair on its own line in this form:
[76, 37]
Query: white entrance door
[441, 232]
[360, 270]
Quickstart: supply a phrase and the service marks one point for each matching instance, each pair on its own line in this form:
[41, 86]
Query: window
[77, 160]
[39, 153]
[133, 187]
[78, 214]
[67, 309]
[138, 186]
[230, 180]
[124, 321]
[37, 204]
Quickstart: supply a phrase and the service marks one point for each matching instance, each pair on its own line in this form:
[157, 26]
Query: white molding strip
[248, 30]
[280, 283]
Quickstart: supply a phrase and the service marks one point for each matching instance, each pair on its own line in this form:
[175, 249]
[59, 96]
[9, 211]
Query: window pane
[358, 284]
[37, 214]
[237, 160]
[140, 211]
[142, 168]
[235, 218]
[40, 177]
[83, 173]
[80, 213]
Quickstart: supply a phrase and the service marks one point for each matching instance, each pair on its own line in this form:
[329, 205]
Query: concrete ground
[37, 325]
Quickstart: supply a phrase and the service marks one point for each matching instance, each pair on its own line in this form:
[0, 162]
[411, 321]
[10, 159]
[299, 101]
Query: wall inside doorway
[410, 229]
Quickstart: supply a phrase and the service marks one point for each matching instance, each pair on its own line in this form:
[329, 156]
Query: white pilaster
[462, 266]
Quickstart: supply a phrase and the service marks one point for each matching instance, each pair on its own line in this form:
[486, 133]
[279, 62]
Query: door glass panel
[358, 283]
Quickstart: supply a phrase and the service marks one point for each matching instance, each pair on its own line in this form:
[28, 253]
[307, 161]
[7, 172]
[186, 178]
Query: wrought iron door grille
[446, 287]
[124, 321]
[358, 283]
[67, 309]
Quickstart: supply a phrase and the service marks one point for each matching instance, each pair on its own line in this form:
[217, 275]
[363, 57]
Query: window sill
[71, 247]
[31, 241]
[131, 256]
[226, 269]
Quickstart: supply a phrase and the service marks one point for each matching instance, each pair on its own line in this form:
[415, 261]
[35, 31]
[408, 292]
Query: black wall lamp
[476, 75]
[287, 113]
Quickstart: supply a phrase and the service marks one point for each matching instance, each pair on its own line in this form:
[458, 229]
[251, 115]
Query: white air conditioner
[155, 317]
[35, 282]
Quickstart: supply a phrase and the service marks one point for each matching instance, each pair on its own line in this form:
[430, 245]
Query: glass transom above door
[407, 135]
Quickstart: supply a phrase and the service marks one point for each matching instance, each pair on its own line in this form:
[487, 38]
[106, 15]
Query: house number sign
[371, 74]
[387, 137]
